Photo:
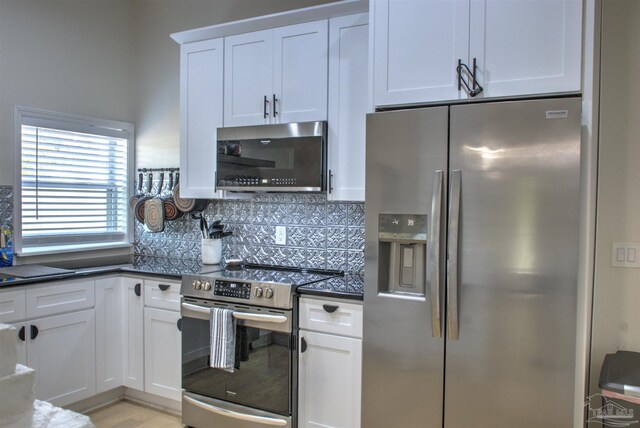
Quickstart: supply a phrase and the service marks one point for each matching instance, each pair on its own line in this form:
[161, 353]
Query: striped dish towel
[223, 339]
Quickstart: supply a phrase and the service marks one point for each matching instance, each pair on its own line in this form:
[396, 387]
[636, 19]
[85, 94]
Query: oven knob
[268, 293]
[193, 284]
[258, 292]
[206, 286]
[198, 285]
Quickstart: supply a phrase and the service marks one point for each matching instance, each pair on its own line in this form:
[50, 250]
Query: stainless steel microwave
[290, 157]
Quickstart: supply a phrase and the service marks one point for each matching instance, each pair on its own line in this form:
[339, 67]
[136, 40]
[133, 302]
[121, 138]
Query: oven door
[264, 357]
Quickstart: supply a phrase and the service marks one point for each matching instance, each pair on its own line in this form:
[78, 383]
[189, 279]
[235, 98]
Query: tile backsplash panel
[6, 206]
[320, 234]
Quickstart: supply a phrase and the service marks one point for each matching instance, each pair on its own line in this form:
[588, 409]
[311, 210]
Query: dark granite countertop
[350, 286]
[165, 268]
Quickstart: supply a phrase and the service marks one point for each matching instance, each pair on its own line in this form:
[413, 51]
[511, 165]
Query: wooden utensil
[140, 204]
[154, 211]
[171, 211]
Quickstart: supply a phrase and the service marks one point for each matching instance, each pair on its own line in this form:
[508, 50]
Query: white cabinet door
[526, 46]
[300, 72]
[108, 333]
[248, 75]
[62, 351]
[201, 84]
[348, 105]
[21, 339]
[133, 334]
[162, 353]
[330, 381]
[416, 47]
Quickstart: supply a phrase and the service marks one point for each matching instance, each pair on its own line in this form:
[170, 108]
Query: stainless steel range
[262, 389]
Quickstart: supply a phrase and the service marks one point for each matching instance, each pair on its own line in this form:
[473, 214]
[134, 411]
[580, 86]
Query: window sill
[73, 248]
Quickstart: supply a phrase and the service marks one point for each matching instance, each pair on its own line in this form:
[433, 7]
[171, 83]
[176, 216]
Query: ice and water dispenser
[402, 240]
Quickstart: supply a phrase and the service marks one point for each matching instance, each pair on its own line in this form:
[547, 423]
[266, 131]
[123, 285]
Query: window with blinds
[74, 183]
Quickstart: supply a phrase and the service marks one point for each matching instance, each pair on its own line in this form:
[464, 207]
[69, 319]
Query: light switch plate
[625, 254]
[281, 235]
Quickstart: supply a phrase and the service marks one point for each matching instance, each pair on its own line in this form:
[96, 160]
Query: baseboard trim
[109, 397]
[97, 401]
[151, 400]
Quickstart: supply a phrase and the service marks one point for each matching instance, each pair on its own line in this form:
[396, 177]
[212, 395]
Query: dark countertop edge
[128, 269]
[87, 272]
[302, 291]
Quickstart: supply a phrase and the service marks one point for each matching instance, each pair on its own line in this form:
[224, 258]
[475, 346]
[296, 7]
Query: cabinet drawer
[59, 298]
[331, 316]
[12, 306]
[162, 294]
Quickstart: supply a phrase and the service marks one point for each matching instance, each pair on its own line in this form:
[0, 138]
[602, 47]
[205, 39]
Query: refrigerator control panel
[404, 227]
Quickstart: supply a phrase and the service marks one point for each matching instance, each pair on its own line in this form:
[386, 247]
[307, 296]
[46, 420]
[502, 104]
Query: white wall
[156, 64]
[70, 56]
[616, 311]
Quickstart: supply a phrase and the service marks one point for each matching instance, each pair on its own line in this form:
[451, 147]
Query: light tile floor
[127, 414]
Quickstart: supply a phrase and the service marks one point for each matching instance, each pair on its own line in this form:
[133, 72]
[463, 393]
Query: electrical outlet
[281, 235]
[625, 254]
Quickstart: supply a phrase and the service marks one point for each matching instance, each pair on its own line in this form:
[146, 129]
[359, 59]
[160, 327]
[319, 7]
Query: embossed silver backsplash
[320, 234]
[6, 205]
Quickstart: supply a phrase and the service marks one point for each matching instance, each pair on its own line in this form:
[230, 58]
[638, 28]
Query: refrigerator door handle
[452, 255]
[433, 255]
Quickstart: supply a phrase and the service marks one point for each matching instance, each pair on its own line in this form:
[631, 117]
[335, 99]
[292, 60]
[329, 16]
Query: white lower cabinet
[108, 333]
[132, 333]
[61, 349]
[329, 365]
[162, 353]
[330, 371]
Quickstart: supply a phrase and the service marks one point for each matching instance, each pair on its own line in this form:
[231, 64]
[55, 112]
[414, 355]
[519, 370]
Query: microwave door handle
[260, 317]
[236, 415]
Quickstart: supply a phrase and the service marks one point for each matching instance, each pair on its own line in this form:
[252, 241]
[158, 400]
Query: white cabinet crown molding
[281, 19]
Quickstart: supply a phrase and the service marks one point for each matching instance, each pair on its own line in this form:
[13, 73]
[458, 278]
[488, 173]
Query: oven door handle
[200, 312]
[235, 415]
[278, 319]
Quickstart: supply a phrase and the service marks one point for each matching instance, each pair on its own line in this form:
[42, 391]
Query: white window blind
[74, 184]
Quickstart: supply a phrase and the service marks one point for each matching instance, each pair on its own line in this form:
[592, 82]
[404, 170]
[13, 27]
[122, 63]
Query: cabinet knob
[179, 324]
[303, 345]
[163, 287]
[34, 332]
[21, 333]
[136, 289]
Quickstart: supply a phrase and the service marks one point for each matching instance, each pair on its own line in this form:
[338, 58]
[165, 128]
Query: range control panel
[260, 293]
[239, 290]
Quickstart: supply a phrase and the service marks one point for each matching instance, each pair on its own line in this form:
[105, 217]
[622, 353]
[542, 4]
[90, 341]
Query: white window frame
[80, 124]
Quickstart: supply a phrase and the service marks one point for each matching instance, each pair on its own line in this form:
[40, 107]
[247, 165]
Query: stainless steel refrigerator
[471, 261]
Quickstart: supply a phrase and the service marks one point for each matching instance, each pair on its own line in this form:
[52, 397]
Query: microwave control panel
[239, 290]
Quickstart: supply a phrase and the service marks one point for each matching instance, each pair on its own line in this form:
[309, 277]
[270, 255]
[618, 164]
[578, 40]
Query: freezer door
[512, 364]
[402, 360]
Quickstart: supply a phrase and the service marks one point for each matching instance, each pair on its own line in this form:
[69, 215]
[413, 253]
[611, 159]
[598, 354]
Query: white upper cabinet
[416, 47]
[276, 76]
[526, 46]
[248, 78]
[348, 105]
[521, 47]
[300, 72]
[201, 85]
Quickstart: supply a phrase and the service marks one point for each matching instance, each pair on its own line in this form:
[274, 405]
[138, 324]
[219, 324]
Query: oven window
[262, 375]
